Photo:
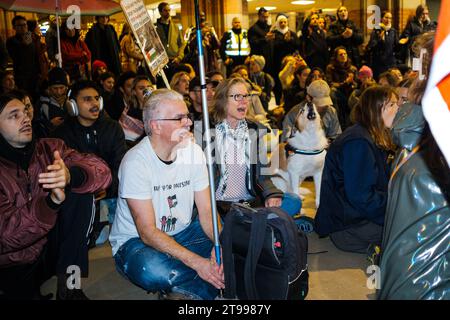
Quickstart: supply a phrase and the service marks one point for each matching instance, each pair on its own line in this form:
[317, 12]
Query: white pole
[58, 55]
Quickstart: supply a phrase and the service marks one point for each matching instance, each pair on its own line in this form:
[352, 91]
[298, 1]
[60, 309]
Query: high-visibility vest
[237, 44]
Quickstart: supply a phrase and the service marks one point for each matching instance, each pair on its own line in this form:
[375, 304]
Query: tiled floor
[333, 274]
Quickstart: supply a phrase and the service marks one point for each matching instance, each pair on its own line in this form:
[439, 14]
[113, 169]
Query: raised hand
[56, 178]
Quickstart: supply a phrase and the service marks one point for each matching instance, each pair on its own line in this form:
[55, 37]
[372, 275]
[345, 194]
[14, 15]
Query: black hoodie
[105, 139]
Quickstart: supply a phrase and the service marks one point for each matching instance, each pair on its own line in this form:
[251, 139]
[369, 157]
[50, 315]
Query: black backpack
[264, 255]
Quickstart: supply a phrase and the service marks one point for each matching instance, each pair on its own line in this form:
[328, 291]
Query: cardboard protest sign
[146, 36]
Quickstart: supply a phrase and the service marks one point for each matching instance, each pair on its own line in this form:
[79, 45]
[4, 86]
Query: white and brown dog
[306, 152]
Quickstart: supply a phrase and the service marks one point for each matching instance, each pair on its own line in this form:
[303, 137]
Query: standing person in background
[131, 54]
[211, 46]
[25, 57]
[313, 43]
[170, 35]
[417, 25]
[383, 45]
[234, 46]
[102, 41]
[41, 47]
[282, 42]
[51, 41]
[75, 53]
[257, 33]
[344, 32]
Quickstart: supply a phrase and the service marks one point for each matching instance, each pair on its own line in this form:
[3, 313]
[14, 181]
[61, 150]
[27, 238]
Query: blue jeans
[291, 203]
[153, 270]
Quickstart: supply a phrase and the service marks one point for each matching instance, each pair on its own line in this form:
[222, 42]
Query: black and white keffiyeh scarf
[232, 148]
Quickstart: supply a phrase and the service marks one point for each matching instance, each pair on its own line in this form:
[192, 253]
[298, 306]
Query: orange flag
[436, 101]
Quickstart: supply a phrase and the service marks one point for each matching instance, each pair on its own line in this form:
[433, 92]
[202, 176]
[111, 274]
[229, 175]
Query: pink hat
[365, 71]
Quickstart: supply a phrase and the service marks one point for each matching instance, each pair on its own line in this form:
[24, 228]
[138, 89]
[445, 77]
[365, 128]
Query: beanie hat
[320, 92]
[259, 60]
[365, 71]
[98, 64]
[195, 83]
[57, 76]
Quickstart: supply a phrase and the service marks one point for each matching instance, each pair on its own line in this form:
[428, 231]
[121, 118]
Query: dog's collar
[307, 152]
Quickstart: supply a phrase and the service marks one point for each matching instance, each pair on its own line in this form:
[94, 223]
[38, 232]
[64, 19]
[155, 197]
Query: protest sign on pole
[146, 36]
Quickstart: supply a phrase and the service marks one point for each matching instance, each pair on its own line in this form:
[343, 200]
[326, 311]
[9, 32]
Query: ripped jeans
[153, 270]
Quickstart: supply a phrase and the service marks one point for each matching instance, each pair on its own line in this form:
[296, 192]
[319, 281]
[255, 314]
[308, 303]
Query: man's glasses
[181, 118]
[240, 97]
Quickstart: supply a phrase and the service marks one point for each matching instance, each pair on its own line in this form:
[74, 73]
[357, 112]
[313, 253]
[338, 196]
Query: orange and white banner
[436, 101]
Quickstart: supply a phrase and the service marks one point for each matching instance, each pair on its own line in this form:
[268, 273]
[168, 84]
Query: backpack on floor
[264, 255]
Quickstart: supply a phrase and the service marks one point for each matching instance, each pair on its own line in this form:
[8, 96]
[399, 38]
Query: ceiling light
[303, 2]
[267, 8]
[329, 10]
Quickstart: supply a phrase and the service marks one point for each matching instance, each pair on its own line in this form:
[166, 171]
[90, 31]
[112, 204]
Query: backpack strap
[228, 263]
[256, 242]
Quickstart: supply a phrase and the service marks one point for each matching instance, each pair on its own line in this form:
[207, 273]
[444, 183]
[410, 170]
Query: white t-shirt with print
[142, 176]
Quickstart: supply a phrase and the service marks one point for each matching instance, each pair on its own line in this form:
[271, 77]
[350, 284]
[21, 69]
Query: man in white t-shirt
[156, 242]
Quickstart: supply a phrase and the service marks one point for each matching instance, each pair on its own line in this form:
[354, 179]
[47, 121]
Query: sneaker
[305, 224]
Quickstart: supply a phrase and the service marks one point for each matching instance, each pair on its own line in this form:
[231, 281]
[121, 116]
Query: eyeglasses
[240, 97]
[181, 118]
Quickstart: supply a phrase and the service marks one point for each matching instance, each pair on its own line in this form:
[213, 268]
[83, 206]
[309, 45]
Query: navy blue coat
[354, 183]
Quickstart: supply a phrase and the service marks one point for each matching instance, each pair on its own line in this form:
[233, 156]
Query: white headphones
[72, 107]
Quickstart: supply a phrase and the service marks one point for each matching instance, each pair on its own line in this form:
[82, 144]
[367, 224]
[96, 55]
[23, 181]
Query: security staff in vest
[234, 46]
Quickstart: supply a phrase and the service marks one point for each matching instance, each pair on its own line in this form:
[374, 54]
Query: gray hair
[152, 105]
